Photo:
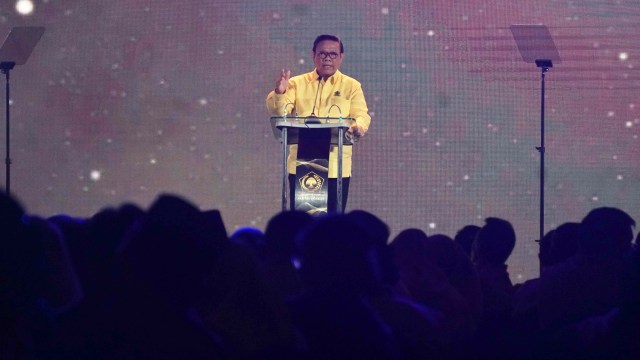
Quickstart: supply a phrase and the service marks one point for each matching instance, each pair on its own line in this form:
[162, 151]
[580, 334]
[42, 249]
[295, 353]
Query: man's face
[327, 49]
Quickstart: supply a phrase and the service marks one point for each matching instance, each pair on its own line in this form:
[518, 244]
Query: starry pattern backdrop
[123, 100]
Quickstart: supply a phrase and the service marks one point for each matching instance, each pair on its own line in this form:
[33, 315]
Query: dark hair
[494, 242]
[330, 38]
[606, 230]
[465, 237]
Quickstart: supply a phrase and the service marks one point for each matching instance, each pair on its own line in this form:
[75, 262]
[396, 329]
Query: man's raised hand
[283, 82]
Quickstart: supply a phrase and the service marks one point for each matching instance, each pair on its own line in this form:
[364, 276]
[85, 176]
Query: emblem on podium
[311, 182]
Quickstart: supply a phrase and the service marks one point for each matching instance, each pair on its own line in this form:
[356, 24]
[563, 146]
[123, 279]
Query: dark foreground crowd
[169, 283]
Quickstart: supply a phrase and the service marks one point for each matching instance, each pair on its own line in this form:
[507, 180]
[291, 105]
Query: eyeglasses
[323, 55]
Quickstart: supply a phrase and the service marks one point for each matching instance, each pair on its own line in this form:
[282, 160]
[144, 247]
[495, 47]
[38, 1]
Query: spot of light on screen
[24, 7]
[623, 56]
[95, 175]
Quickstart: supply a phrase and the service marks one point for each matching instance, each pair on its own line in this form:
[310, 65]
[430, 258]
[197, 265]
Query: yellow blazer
[340, 90]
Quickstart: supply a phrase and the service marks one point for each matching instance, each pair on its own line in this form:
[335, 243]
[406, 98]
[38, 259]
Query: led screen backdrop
[123, 100]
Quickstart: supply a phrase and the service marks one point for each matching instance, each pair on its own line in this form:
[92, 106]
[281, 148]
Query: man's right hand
[283, 82]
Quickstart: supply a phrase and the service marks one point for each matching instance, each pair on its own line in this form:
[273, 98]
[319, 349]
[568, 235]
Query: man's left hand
[356, 131]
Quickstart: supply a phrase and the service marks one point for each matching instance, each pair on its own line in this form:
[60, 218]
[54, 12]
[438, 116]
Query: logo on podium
[311, 182]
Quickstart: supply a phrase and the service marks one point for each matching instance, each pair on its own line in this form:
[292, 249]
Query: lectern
[314, 137]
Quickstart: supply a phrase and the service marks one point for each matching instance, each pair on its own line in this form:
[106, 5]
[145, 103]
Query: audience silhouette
[465, 237]
[168, 282]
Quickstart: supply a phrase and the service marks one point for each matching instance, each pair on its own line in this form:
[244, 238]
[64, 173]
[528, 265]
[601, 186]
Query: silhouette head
[495, 242]
[466, 236]
[606, 231]
[336, 255]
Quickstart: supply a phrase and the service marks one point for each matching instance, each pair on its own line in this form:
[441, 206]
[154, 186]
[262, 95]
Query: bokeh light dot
[24, 7]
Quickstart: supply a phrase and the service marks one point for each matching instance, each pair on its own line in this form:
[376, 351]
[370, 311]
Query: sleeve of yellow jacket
[340, 90]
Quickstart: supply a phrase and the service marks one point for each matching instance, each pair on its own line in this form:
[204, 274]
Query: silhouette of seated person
[609, 336]
[240, 304]
[450, 258]
[37, 283]
[281, 253]
[588, 283]
[377, 231]
[333, 314]
[94, 245]
[251, 238]
[465, 237]
[563, 244]
[556, 246]
[416, 327]
[424, 280]
[491, 249]
[161, 270]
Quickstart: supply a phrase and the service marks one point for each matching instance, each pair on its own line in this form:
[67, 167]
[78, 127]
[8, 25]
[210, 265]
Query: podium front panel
[312, 171]
[314, 137]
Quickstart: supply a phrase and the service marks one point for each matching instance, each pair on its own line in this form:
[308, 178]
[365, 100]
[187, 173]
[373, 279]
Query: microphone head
[312, 119]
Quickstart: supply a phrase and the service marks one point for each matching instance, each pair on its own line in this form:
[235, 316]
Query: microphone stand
[536, 45]
[6, 67]
[313, 119]
[544, 65]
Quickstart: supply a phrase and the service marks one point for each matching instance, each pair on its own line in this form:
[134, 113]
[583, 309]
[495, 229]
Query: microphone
[339, 111]
[284, 109]
[347, 135]
[313, 119]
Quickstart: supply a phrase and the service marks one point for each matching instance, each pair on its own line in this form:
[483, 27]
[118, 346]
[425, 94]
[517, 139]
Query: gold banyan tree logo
[311, 182]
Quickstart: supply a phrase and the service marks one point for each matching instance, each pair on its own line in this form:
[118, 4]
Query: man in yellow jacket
[324, 92]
